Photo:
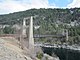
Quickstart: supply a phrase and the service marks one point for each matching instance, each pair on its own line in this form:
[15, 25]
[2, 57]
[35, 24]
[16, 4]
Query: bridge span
[46, 35]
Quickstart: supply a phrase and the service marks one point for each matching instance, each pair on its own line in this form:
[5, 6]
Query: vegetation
[39, 55]
[8, 30]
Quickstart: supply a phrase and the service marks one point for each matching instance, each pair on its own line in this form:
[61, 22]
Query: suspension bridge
[31, 35]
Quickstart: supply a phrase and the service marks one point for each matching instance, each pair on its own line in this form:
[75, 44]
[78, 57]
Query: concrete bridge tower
[31, 39]
[66, 35]
[24, 27]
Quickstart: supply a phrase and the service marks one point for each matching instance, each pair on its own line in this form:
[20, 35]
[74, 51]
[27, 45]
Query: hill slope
[9, 50]
[47, 19]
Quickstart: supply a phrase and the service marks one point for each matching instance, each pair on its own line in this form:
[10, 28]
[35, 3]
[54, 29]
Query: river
[63, 53]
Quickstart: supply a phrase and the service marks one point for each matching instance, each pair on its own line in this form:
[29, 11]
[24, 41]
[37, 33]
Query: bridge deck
[43, 36]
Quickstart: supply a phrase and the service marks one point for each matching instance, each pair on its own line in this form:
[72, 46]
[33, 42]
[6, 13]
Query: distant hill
[64, 15]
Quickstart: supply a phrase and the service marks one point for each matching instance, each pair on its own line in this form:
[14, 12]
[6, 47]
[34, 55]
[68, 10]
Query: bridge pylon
[31, 39]
[24, 27]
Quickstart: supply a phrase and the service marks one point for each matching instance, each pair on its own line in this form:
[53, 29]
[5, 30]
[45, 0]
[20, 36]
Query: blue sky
[10, 6]
[60, 3]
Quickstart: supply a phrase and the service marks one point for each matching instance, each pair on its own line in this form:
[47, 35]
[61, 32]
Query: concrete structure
[65, 32]
[24, 27]
[66, 35]
[31, 39]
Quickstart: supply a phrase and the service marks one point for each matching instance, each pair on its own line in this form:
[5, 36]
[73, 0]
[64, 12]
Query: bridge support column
[24, 27]
[31, 39]
[66, 35]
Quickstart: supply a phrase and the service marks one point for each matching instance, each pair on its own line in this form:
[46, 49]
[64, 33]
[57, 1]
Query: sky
[10, 6]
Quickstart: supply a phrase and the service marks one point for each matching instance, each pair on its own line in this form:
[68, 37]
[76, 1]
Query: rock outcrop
[47, 57]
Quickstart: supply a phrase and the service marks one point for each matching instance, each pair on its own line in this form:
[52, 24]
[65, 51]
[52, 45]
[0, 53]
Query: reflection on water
[63, 54]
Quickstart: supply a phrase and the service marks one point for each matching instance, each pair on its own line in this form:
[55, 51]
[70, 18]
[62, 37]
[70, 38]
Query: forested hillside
[47, 18]
[53, 15]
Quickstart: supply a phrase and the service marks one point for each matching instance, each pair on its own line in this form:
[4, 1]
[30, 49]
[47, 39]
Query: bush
[39, 55]
[8, 30]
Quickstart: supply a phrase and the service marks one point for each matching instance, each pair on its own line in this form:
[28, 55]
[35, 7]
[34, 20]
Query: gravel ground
[8, 54]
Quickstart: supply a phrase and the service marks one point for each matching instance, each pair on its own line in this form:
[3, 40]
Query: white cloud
[9, 6]
[75, 3]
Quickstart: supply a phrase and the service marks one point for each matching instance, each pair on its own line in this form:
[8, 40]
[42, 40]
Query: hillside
[51, 21]
[64, 15]
[46, 17]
